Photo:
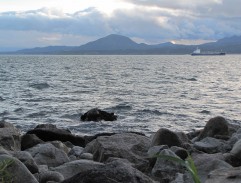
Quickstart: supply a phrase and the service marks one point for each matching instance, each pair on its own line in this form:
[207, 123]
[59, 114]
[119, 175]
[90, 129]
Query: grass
[188, 163]
[5, 176]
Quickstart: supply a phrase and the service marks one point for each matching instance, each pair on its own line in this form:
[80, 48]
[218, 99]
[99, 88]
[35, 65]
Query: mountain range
[118, 44]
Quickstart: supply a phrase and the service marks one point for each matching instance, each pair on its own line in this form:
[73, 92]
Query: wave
[120, 107]
[39, 86]
[155, 112]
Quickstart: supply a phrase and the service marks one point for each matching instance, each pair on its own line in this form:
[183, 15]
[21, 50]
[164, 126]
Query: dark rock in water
[166, 137]
[1, 99]
[215, 127]
[52, 133]
[98, 115]
[113, 172]
[39, 86]
[29, 140]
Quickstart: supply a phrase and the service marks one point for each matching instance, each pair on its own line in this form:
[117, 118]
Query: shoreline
[50, 154]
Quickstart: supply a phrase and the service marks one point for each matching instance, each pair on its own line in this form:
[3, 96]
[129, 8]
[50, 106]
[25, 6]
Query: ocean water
[146, 92]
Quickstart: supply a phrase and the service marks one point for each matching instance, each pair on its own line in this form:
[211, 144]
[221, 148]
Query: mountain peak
[111, 42]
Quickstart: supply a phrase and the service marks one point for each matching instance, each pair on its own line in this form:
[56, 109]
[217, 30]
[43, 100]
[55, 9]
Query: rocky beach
[47, 154]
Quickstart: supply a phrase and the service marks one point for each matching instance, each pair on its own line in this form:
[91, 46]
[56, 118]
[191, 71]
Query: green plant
[188, 163]
[5, 176]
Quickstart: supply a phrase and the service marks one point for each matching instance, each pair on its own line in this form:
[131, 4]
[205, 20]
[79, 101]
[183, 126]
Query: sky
[39, 23]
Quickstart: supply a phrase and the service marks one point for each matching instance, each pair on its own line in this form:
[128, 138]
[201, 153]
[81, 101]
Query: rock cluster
[47, 154]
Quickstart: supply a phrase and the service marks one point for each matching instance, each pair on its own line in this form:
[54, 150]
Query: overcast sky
[37, 23]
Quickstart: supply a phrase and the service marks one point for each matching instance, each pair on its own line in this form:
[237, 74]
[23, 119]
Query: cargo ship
[198, 52]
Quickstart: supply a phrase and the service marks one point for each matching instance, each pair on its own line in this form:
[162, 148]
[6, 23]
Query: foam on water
[146, 92]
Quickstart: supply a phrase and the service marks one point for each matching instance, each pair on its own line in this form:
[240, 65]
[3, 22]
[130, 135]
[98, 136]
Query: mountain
[117, 44]
[112, 42]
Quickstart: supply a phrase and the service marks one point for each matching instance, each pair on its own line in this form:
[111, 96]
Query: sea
[146, 92]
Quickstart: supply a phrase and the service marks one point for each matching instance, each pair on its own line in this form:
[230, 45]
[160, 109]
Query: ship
[198, 52]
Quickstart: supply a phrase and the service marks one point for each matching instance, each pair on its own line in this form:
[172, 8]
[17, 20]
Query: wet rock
[48, 132]
[87, 156]
[9, 137]
[217, 126]
[113, 172]
[166, 137]
[72, 168]
[98, 115]
[225, 175]
[47, 154]
[29, 140]
[27, 160]
[129, 146]
[18, 171]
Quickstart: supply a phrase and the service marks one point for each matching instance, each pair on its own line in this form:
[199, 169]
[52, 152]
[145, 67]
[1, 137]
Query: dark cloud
[151, 21]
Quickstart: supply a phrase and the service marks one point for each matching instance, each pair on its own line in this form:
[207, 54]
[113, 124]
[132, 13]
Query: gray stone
[166, 170]
[230, 175]
[46, 176]
[72, 168]
[129, 146]
[29, 140]
[61, 146]
[27, 160]
[113, 172]
[9, 137]
[47, 154]
[215, 126]
[166, 137]
[87, 156]
[205, 163]
[236, 150]
[18, 171]
[212, 145]
[76, 151]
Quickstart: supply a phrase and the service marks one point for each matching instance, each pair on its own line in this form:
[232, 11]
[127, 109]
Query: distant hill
[117, 44]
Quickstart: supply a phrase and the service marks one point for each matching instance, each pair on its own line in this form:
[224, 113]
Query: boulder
[113, 172]
[74, 167]
[236, 150]
[47, 154]
[29, 140]
[76, 151]
[225, 175]
[166, 170]
[61, 146]
[9, 137]
[212, 145]
[129, 146]
[49, 176]
[205, 163]
[98, 115]
[27, 160]
[217, 126]
[18, 173]
[48, 132]
[166, 137]
[235, 137]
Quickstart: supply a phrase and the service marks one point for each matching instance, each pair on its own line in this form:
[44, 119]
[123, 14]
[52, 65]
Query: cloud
[151, 21]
